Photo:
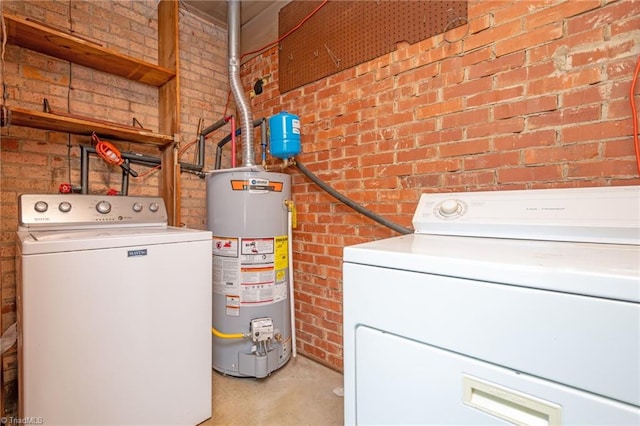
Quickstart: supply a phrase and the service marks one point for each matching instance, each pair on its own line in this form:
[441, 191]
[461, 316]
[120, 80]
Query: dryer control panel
[595, 214]
[79, 211]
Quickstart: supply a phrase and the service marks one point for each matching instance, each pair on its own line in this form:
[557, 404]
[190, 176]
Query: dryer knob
[103, 207]
[137, 207]
[41, 206]
[154, 207]
[449, 207]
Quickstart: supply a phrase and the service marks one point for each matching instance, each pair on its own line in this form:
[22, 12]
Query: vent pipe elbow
[246, 119]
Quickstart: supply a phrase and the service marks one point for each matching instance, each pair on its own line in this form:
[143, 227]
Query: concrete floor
[302, 392]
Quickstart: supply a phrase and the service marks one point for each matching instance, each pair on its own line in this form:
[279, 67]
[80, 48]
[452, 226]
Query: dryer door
[414, 383]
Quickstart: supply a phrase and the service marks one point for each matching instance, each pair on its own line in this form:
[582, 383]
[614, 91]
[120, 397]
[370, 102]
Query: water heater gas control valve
[262, 329]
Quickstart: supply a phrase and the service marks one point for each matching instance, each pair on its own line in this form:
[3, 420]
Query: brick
[469, 179]
[518, 77]
[490, 35]
[422, 181]
[564, 82]
[564, 117]
[494, 96]
[596, 131]
[490, 160]
[617, 148]
[526, 106]
[467, 88]
[619, 108]
[464, 148]
[499, 127]
[517, 10]
[569, 43]
[497, 65]
[416, 127]
[465, 118]
[524, 140]
[529, 174]
[561, 154]
[625, 25]
[416, 154]
[584, 96]
[621, 68]
[608, 15]
[559, 12]
[529, 39]
[603, 168]
[440, 108]
[604, 52]
[437, 166]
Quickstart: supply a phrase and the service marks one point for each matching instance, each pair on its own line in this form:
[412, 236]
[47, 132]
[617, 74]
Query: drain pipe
[233, 13]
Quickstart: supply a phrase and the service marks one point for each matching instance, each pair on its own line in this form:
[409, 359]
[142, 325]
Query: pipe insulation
[233, 17]
[347, 201]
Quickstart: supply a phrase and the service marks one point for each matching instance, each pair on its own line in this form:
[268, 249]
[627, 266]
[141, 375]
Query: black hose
[357, 207]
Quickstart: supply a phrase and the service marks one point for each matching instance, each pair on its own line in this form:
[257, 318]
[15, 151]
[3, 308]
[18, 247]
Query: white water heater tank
[247, 214]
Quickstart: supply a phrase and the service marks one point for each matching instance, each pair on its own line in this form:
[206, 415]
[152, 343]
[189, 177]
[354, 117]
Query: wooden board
[43, 39]
[79, 126]
[343, 34]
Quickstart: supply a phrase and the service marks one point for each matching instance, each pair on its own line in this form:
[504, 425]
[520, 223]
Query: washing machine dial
[41, 206]
[103, 207]
[154, 207]
[64, 207]
[137, 207]
[449, 208]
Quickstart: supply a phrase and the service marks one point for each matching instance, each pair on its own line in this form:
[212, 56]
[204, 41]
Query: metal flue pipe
[246, 119]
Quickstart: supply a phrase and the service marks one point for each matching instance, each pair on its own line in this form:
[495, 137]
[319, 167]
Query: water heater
[247, 214]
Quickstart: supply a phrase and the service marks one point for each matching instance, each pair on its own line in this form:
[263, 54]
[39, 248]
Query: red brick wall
[529, 94]
[35, 161]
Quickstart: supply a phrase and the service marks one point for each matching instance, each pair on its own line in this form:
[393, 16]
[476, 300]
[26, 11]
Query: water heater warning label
[249, 271]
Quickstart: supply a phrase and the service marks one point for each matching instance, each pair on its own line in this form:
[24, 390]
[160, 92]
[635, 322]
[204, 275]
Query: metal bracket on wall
[333, 56]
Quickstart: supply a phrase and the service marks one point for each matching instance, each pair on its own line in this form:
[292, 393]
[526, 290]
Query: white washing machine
[507, 307]
[114, 313]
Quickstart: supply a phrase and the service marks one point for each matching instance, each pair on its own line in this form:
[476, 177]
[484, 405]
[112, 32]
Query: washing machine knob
[64, 207]
[103, 207]
[137, 207]
[449, 207]
[41, 206]
[154, 207]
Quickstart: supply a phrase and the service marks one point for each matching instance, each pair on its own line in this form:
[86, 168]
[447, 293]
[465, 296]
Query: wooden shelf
[79, 126]
[43, 39]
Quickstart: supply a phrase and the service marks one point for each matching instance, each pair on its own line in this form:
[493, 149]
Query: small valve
[65, 188]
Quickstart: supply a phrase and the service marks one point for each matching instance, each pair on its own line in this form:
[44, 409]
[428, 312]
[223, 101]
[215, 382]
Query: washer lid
[40, 242]
[602, 270]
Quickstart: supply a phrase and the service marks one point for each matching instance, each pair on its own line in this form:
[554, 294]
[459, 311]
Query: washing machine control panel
[89, 211]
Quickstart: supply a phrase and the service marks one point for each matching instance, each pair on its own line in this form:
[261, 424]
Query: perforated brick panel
[346, 33]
